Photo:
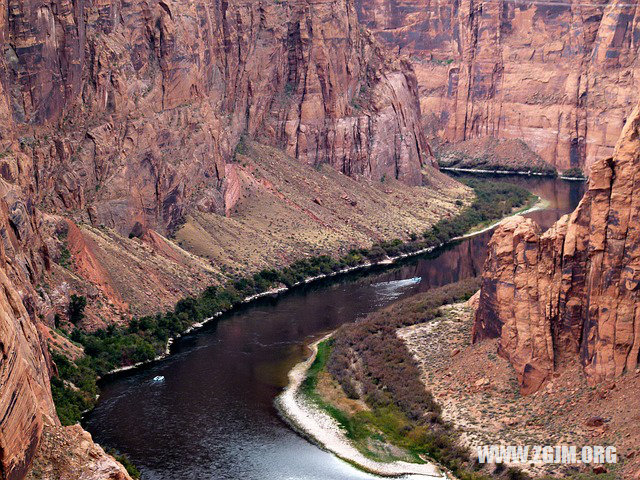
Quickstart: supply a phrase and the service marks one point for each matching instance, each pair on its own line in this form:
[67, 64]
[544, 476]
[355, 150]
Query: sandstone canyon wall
[27, 410]
[25, 395]
[558, 75]
[129, 112]
[571, 293]
[128, 115]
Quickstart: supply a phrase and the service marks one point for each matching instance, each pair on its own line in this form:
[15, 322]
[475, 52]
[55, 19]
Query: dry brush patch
[479, 392]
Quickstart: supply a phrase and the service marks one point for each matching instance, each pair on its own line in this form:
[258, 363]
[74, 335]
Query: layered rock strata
[558, 75]
[130, 112]
[571, 293]
[25, 395]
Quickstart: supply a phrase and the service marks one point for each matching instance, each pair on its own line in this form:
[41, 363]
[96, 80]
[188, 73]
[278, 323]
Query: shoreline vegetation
[360, 396]
[326, 426]
[147, 339]
[396, 428]
[498, 171]
[570, 175]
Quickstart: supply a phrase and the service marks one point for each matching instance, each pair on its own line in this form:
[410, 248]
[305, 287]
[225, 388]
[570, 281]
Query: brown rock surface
[130, 112]
[490, 153]
[68, 453]
[125, 121]
[571, 292]
[480, 394]
[558, 75]
[25, 395]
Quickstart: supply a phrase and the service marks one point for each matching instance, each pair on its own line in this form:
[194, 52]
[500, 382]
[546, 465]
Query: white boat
[158, 379]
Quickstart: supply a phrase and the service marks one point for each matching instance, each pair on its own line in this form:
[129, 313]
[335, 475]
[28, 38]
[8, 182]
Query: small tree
[77, 304]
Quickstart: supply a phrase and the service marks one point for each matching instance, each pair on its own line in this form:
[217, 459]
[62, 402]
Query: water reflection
[213, 416]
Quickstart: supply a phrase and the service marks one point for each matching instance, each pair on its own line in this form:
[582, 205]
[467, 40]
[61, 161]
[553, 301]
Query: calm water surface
[213, 417]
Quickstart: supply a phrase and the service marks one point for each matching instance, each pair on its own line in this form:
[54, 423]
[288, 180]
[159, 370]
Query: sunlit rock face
[571, 293]
[561, 77]
[25, 396]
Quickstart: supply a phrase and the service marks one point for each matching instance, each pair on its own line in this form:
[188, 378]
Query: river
[213, 417]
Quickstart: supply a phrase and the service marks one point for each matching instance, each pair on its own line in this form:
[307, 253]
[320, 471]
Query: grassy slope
[283, 209]
[278, 211]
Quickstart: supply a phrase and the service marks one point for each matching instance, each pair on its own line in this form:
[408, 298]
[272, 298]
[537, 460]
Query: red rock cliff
[25, 395]
[129, 112]
[27, 411]
[559, 76]
[572, 292]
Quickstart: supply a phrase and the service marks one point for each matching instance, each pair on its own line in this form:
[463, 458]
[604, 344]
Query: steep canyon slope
[571, 293]
[136, 138]
[558, 75]
[129, 112]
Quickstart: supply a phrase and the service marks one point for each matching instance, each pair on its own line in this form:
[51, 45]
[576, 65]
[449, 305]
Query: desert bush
[77, 304]
[574, 172]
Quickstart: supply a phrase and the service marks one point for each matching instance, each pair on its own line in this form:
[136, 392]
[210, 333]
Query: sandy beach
[318, 426]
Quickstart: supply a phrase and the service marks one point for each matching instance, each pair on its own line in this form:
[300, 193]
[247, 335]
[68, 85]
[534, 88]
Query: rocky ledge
[571, 293]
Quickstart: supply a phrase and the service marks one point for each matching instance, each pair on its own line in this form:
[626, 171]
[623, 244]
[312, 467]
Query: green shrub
[65, 257]
[574, 172]
[126, 462]
[493, 201]
[72, 402]
[77, 304]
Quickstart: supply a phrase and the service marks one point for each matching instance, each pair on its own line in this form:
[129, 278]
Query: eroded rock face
[127, 115]
[572, 292]
[68, 453]
[130, 112]
[25, 394]
[561, 77]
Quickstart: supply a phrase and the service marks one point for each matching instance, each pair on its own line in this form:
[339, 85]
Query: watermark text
[547, 454]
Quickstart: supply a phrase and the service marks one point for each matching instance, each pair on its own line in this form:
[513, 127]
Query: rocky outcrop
[25, 395]
[68, 453]
[122, 121]
[130, 113]
[558, 75]
[571, 293]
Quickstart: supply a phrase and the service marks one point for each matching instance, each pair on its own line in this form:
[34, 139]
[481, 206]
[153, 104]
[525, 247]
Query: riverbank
[573, 179]
[317, 425]
[360, 396]
[535, 204]
[498, 172]
[527, 173]
[149, 339]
